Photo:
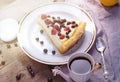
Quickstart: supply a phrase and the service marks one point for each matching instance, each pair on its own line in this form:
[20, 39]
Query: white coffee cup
[80, 67]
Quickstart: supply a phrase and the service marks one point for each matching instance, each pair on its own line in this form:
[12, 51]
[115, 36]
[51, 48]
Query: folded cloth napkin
[107, 21]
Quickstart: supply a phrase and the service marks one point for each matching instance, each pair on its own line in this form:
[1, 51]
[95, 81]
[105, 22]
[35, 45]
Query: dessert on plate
[63, 33]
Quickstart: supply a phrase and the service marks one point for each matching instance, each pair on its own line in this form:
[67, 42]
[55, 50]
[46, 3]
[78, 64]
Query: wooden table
[13, 62]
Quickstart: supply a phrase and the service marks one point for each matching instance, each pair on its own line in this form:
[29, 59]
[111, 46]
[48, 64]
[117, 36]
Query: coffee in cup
[80, 66]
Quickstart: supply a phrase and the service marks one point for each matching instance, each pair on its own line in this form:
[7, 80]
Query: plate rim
[56, 63]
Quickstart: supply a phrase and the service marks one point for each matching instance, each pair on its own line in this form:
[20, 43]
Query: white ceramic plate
[30, 30]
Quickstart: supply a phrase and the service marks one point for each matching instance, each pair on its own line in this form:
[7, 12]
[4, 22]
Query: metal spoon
[100, 45]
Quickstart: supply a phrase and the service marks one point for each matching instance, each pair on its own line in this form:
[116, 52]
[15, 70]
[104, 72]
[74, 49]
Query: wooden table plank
[16, 62]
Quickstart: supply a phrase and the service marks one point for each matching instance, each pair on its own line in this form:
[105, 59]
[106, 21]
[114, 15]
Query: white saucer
[8, 29]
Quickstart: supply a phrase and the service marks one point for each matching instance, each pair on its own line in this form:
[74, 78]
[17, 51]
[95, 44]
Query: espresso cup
[80, 66]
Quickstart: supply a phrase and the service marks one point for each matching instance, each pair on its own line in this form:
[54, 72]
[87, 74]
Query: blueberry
[18, 77]
[53, 52]
[45, 51]
[50, 79]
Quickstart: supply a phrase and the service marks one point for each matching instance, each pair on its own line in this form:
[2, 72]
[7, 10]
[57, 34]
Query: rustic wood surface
[13, 62]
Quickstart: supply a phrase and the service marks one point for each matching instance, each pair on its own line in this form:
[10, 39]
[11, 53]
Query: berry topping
[73, 22]
[56, 20]
[55, 26]
[43, 16]
[68, 23]
[66, 28]
[64, 20]
[53, 31]
[61, 21]
[53, 17]
[48, 21]
[59, 34]
[67, 37]
[76, 25]
[62, 36]
[62, 25]
[73, 26]
[67, 33]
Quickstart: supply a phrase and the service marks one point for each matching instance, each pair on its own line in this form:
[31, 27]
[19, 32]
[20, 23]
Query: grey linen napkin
[107, 21]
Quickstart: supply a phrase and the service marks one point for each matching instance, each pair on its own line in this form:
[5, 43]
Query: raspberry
[62, 36]
[59, 34]
[48, 21]
[56, 27]
[73, 22]
[53, 31]
[62, 21]
[43, 16]
[66, 29]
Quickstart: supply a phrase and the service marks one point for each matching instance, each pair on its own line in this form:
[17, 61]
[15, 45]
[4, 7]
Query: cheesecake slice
[62, 32]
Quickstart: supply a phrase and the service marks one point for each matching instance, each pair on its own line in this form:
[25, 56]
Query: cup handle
[97, 67]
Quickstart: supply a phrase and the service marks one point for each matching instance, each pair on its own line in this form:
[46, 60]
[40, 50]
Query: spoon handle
[106, 73]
